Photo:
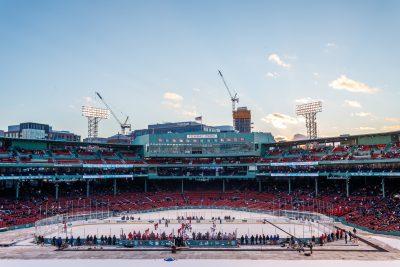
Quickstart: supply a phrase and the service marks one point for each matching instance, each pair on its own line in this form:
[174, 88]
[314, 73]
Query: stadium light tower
[309, 111]
[94, 115]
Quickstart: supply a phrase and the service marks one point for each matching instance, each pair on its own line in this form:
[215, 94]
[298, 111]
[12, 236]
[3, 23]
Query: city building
[119, 139]
[138, 132]
[180, 127]
[100, 140]
[63, 136]
[174, 127]
[33, 130]
[225, 128]
[203, 144]
[28, 130]
[242, 120]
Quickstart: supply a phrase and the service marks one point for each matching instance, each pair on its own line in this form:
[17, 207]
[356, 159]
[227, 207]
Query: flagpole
[200, 118]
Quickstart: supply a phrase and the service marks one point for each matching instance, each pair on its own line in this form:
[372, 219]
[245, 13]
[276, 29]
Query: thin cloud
[175, 101]
[172, 100]
[272, 75]
[278, 61]
[222, 102]
[362, 114]
[365, 128]
[344, 83]
[304, 100]
[392, 119]
[173, 96]
[391, 128]
[329, 47]
[189, 113]
[352, 104]
[280, 121]
[88, 100]
[293, 57]
[281, 138]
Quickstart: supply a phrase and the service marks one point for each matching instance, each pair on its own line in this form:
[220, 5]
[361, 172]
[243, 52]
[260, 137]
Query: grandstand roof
[344, 138]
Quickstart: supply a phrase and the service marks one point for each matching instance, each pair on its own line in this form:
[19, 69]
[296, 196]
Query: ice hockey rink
[213, 221]
[360, 254]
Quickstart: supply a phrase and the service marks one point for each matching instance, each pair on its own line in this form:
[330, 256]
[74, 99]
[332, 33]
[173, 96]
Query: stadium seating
[329, 153]
[362, 207]
[372, 212]
[87, 155]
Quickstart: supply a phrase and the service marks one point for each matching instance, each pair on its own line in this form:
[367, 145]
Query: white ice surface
[114, 226]
[195, 263]
[391, 241]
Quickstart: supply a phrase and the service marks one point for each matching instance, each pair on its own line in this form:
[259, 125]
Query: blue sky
[157, 61]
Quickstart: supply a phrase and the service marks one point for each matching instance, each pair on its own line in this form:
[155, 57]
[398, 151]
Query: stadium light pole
[94, 115]
[309, 111]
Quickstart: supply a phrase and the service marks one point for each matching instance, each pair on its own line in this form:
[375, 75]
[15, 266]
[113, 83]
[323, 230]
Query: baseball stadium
[123, 141]
[199, 194]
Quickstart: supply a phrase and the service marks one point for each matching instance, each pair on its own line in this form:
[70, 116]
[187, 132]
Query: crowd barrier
[17, 227]
[168, 243]
[212, 243]
[145, 243]
[157, 243]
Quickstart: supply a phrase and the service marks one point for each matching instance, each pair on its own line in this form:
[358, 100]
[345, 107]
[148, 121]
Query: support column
[383, 188]
[223, 185]
[17, 190]
[182, 186]
[348, 187]
[145, 185]
[57, 185]
[290, 186]
[316, 186]
[259, 186]
[115, 186]
[87, 188]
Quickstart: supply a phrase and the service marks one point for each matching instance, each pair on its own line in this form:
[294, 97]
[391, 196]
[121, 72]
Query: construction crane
[234, 97]
[125, 126]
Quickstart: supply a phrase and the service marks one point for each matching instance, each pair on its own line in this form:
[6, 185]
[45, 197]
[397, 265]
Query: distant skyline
[157, 61]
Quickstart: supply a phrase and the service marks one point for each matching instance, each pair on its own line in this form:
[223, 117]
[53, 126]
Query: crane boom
[124, 125]
[234, 98]
[226, 86]
[108, 107]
